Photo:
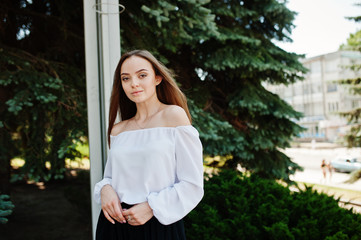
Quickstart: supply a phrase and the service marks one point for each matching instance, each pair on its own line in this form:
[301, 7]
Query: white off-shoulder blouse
[161, 165]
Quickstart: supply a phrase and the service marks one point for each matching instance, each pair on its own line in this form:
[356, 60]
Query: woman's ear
[158, 79]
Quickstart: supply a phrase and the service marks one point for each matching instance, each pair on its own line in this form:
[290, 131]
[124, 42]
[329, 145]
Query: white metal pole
[111, 47]
[102, 52]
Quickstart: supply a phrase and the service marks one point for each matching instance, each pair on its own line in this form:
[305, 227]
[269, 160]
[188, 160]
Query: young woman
[154, 173]
[323, 168]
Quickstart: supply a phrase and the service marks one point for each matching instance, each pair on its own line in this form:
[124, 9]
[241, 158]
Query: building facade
[320, 97]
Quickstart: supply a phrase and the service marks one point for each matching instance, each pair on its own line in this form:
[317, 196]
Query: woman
[154, 172]
[323, 168]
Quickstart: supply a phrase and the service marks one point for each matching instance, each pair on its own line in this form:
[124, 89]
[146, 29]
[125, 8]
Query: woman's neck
[147, 110]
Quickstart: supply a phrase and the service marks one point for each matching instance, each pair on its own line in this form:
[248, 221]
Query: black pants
[151, 230]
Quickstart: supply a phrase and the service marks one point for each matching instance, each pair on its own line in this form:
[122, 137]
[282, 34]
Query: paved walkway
[310, 159]
[336, 180]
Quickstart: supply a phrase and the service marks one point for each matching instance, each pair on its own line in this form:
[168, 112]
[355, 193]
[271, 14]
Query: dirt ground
[53, 211]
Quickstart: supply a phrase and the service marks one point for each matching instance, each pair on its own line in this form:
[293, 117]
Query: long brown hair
[167, 91]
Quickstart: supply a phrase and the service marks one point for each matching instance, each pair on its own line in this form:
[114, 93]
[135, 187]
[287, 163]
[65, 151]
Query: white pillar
[102, 53]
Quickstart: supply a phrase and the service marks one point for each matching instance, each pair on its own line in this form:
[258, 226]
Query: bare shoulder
[119, 127]
[176, 116]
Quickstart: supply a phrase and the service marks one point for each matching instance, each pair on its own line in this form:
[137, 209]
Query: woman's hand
[111, 205]
[138, 214]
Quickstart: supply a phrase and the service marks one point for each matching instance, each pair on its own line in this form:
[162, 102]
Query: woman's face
[138, 79]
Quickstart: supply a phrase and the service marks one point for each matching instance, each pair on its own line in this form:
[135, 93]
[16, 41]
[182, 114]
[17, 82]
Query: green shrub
[236, 206]
[6, 207]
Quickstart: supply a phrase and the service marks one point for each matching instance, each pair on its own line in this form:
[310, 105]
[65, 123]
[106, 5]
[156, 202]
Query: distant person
[330, 170]
[324, 168]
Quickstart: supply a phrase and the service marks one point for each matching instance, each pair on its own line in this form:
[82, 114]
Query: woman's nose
[135, 82]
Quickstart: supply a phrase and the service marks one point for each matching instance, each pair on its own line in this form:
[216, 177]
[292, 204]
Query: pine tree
[222, 53]
[42, 87]
[353, 137]
[6, 207]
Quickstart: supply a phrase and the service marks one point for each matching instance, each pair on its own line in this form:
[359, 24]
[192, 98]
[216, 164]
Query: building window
[333, 107]
[316, 88]
[299, 107]
[298, 90]
[332, 66]
[354, 104]
[305, 89]
[307, 109]
[315, 67]
[331, 87]
[288, 92]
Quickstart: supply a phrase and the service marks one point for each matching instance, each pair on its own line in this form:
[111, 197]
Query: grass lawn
[344, 194]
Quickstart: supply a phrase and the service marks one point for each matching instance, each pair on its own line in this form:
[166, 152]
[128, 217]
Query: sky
[320, 26]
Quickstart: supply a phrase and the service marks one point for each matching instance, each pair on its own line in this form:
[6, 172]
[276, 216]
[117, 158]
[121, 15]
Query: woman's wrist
[105, 187]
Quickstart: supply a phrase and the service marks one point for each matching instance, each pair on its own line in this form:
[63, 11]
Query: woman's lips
[136, 92]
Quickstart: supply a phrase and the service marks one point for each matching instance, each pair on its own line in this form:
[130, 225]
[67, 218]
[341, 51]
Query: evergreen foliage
[353, 138]
[45, 111]
[6, 207]
[238, 206]
[221, 51]
[42, 85]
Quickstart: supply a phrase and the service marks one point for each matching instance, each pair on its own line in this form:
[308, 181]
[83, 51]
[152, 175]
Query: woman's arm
[111, 205]
[105, 195]
[174, 202]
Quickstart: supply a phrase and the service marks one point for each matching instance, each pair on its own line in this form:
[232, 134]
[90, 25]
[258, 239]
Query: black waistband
[126, 205]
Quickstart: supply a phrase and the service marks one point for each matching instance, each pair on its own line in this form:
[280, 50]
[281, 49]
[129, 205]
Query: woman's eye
[125, 78]
[143, 75]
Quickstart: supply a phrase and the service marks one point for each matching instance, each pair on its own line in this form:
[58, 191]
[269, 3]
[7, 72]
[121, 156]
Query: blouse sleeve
[107, 179]
[173, 203]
